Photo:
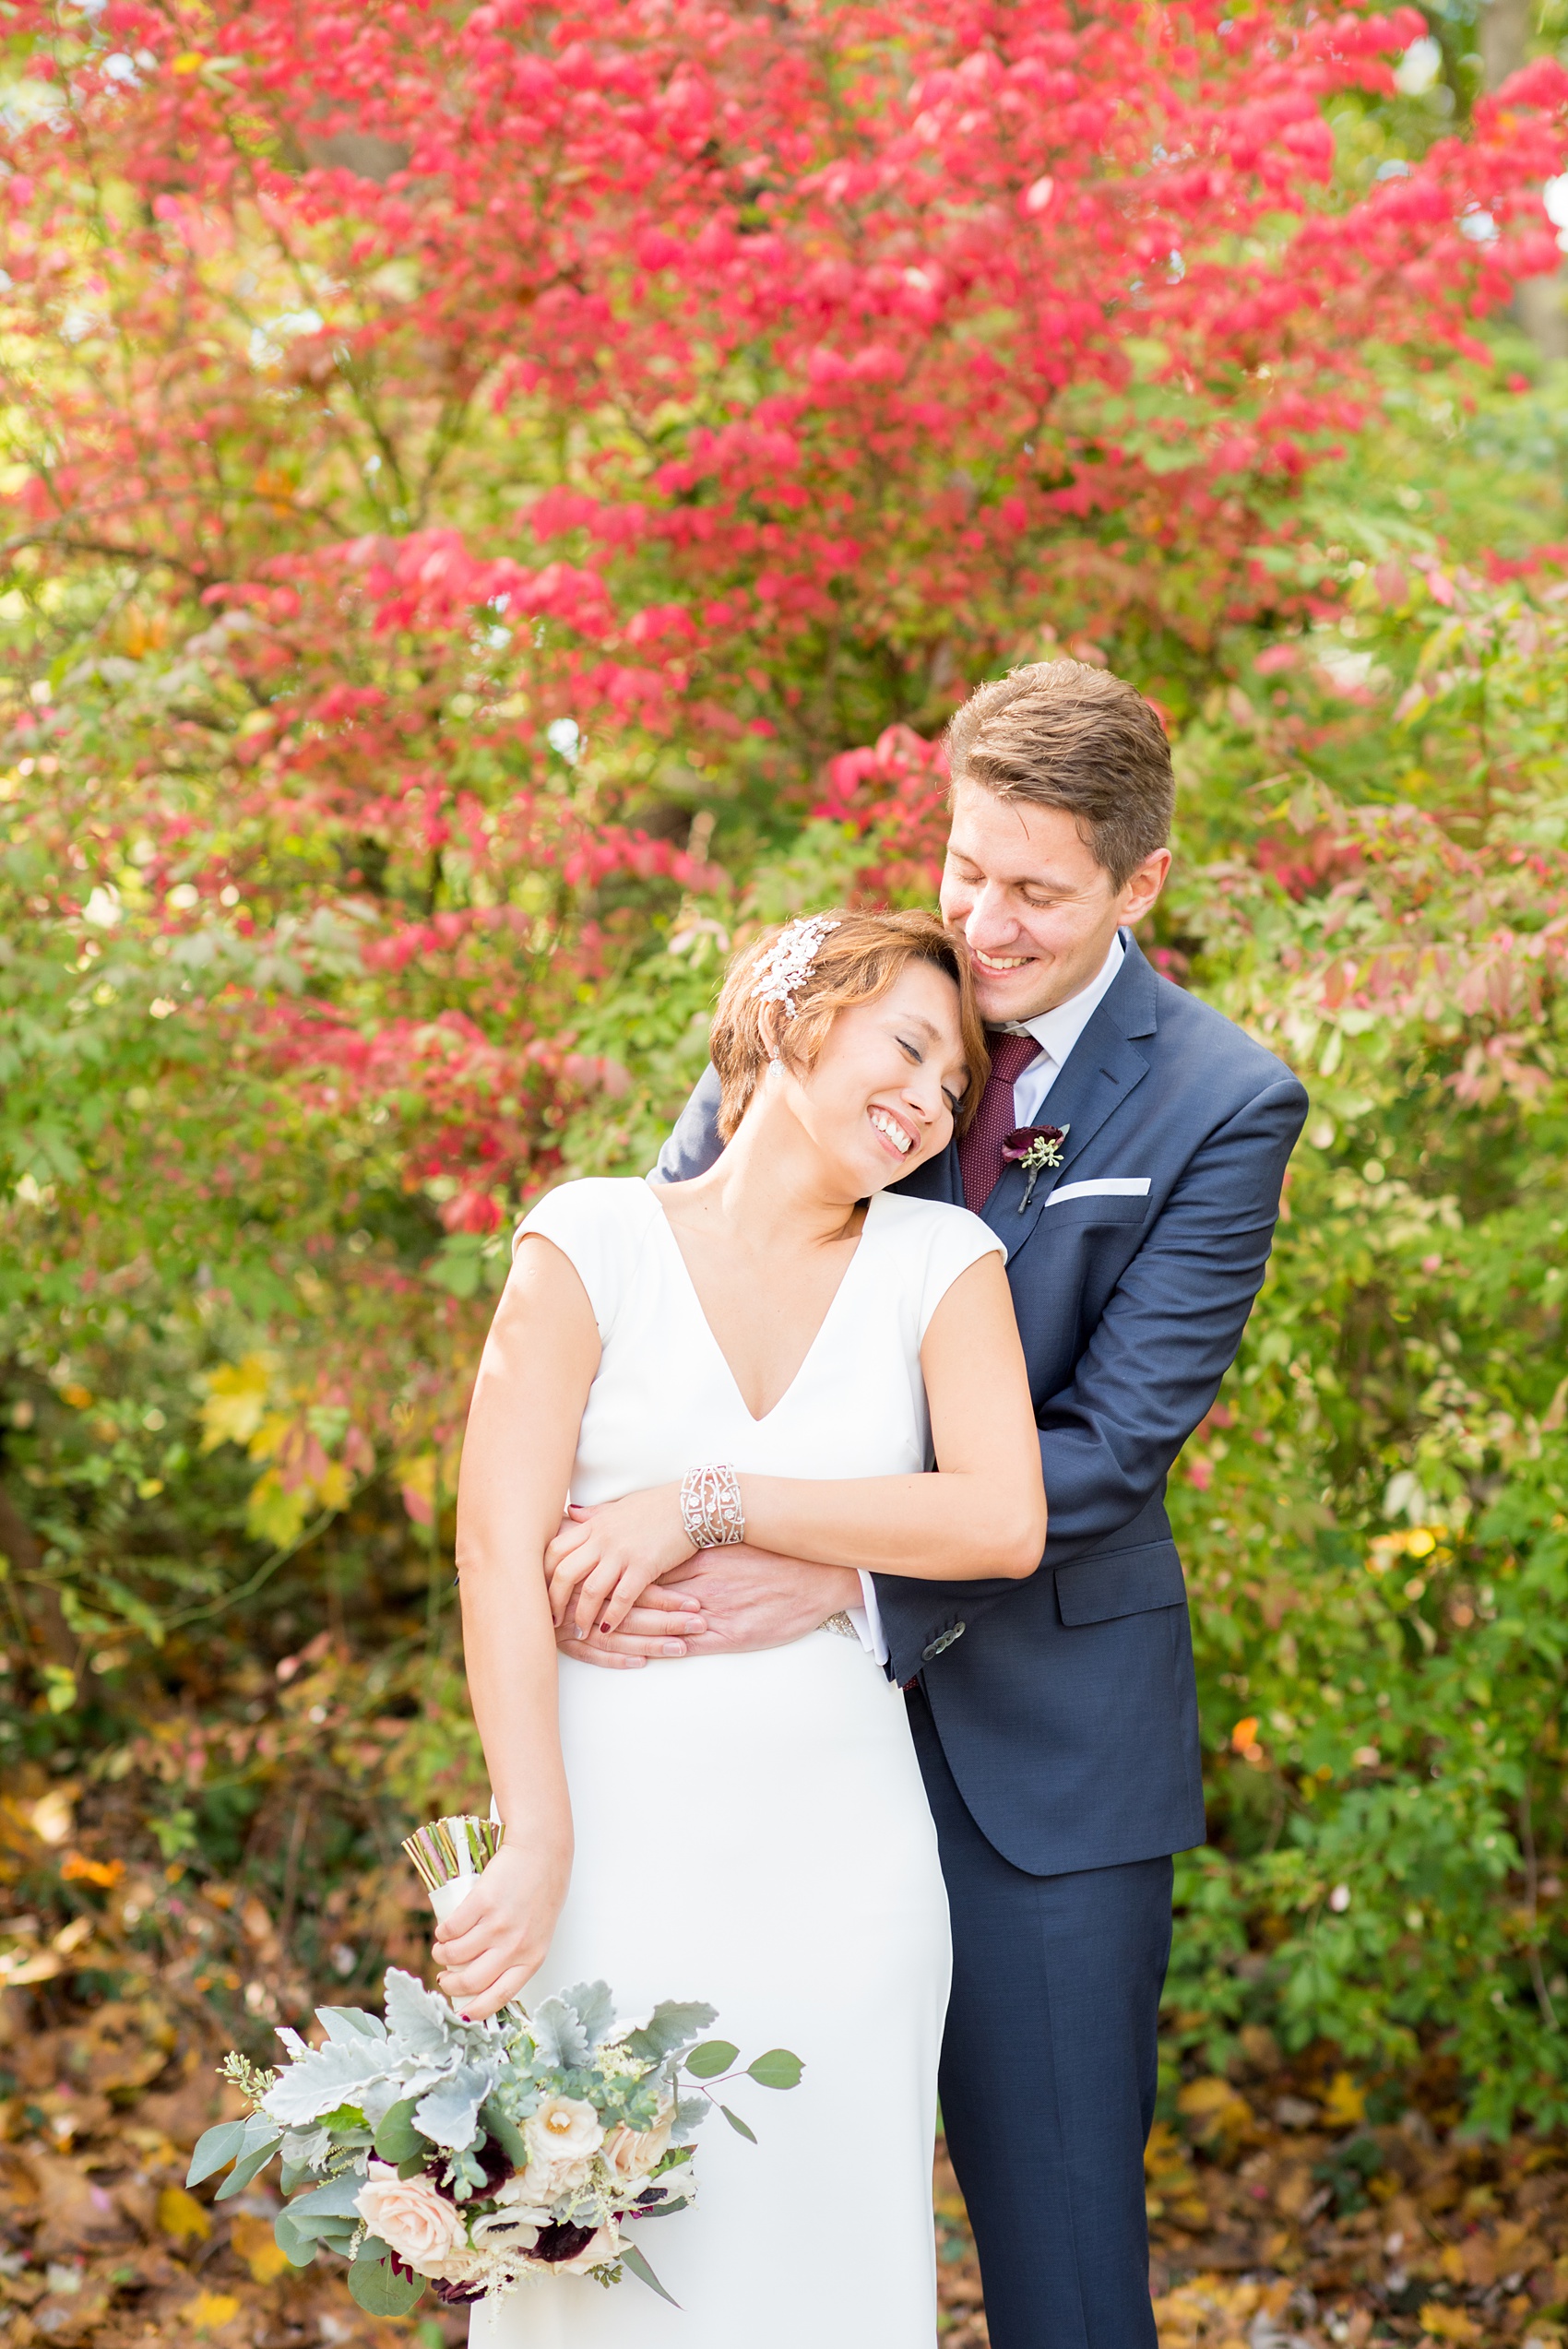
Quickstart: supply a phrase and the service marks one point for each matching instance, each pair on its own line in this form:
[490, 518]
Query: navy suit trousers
[1049, 2071]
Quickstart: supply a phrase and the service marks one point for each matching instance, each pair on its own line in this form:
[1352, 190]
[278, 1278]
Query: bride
[777, 1350]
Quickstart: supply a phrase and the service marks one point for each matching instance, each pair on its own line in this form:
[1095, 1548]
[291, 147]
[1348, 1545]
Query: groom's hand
[745, 1598]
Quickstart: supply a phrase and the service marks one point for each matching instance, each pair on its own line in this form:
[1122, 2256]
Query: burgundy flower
[1016, 1146]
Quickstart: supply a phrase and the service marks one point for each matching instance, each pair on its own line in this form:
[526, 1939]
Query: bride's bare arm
[534, 1376]
[983, 1515]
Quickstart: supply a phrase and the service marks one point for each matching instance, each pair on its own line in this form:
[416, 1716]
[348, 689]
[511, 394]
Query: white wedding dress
[752, 1830]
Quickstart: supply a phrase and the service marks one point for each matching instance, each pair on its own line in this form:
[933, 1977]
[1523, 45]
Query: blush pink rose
[630, 2153]
[416, 2222]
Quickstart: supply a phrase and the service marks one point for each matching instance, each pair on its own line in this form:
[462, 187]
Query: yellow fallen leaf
[1344, 2104]
[180, 2215]
[1449, 2324]
[254, 2242]
[1212, 2109]
[208, 2310]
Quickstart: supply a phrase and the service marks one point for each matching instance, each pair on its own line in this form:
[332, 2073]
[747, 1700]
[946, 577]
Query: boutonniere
[1035, 1148]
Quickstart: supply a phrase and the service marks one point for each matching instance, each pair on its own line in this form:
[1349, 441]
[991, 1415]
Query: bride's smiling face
[888, 1082]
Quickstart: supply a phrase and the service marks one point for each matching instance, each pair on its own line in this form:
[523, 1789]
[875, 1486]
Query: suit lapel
[1101, 1070]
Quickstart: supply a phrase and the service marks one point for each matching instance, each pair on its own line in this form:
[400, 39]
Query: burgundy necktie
[979, 1152]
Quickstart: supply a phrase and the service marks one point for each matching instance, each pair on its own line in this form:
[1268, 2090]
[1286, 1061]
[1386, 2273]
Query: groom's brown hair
[1061, 734]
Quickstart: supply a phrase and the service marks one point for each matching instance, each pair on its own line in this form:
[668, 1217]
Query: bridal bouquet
[466, 2156]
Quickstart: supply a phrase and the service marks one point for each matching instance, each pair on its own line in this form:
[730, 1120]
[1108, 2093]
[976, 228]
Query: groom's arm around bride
[1057, 1717]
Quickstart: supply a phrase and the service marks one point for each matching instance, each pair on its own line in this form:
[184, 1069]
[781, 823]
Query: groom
[1056, 1719]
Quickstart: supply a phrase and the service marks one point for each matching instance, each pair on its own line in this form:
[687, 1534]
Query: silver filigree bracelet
[710, 1507]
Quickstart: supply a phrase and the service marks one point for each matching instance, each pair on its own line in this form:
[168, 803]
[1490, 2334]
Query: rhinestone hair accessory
[790, 960]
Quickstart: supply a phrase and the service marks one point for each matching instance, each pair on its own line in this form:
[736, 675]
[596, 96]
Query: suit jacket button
[957, 1632]
[928, 1655]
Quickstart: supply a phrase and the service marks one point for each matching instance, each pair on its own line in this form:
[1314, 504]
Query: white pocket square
[1103, 1187]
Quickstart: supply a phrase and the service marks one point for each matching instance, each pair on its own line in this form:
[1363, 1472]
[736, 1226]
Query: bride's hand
[602, 1560]
[498, 1938]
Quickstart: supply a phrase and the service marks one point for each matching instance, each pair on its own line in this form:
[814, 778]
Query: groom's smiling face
[1036, 909]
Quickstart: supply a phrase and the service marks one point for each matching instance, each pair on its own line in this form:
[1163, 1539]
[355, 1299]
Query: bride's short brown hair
[856, 961]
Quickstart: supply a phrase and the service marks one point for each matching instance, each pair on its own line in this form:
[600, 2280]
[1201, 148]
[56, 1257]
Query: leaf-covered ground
[1282, 2214]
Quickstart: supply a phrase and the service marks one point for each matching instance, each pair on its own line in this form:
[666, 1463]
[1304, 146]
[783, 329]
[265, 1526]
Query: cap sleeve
[600, 1224]
[957, 1241]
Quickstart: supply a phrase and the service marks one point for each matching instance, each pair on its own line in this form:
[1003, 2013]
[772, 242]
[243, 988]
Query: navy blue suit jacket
[1066, 1705]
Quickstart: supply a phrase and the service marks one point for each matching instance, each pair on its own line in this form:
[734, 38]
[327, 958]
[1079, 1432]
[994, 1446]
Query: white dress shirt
[1055, 1032]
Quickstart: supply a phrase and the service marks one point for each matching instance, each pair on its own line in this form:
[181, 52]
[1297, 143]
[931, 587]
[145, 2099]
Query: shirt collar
[1058, 1031]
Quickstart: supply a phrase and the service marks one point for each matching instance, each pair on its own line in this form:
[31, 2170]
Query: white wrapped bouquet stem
[450, 1856]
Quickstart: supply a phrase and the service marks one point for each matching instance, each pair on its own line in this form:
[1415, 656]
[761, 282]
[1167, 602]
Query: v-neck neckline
[701, 1312]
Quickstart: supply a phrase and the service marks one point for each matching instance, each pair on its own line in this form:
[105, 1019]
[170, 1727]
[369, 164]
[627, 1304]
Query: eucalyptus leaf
[777, 2069]
[311, 2215]
[297, 2249]
[336, 2236]
[249, 2167]
[738, 2125]
[378, 2288]
[708, 2061]
[215, 2149]
[633, 2259]
[397, 2139]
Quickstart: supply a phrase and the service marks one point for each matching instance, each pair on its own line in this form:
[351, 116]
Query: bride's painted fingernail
[674, 1647]
[605, 1625]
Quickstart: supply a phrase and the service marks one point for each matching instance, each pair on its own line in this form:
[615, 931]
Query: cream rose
[630, 2153]
[426, 2232]
[562, 2130]
[557, 2181]
[520, 2191]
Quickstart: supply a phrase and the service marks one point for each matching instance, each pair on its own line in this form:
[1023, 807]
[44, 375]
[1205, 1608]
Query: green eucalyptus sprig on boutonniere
[1035, 1148]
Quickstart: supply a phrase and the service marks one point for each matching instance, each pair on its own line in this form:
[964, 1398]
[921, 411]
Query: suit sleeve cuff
[867, 1620]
